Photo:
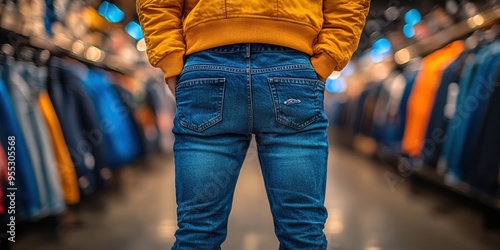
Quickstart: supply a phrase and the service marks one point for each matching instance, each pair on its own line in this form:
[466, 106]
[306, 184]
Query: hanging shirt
[365, 108]
[403, 107]
[423, 94]
[79, 124]
[474, 113]
[446, 95]
[484, 172]
[27, 196]
[387, 107]
[474, 87]
[480, 93]
[457, 112]
[120, 137]
[65, 165]
[24, 82]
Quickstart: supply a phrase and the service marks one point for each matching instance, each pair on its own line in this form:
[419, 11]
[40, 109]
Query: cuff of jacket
[171, 64]
[324, 65]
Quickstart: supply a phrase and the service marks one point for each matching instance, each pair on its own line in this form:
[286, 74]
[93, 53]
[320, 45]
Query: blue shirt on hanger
[28, 204]
[121, 138]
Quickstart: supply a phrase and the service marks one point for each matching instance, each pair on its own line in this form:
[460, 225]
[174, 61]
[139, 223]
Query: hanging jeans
[225, 95]
[25, 86]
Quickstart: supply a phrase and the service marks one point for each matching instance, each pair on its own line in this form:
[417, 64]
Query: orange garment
[422, 97]
[64, 163]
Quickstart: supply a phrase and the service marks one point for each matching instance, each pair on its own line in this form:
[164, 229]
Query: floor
[370, 208]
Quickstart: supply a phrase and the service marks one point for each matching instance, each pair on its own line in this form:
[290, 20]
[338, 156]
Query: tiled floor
[365, 213]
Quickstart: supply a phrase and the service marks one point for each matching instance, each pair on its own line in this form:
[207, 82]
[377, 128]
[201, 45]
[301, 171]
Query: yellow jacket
[327, 30]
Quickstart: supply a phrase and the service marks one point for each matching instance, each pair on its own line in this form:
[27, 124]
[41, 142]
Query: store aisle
[366, 212]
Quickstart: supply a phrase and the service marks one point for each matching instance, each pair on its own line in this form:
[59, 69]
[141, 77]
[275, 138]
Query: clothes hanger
[41, 57]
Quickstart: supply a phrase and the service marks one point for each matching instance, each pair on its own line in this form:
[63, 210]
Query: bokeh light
[111, 12]
[134, 30]
[413, 17]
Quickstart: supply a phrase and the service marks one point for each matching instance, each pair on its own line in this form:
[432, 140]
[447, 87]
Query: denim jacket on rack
[28, 204]
[484, 173]
[24, 84]
[80, 126]
[462, 134]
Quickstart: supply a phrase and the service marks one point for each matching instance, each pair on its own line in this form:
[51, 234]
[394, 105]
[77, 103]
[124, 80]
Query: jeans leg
[294, 169]
[290, 127]
[211, 141]
[206, 171]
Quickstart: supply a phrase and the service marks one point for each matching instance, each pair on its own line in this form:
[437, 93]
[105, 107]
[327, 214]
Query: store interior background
[86, 88]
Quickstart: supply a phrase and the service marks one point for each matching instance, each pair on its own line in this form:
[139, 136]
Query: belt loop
[247, 52]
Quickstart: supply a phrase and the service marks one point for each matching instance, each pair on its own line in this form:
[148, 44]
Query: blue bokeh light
[134, 30]
[413, 17]
[111, 12]
[409, 31]
[381, 49]
[337, 85]
[382, 45]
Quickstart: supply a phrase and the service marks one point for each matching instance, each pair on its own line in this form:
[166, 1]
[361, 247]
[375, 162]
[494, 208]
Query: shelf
[62, 45]
[458, 187]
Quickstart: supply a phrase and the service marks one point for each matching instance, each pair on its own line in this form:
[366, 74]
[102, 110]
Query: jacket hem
[250, 30]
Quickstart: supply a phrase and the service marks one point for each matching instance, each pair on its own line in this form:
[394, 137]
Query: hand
[171, 82]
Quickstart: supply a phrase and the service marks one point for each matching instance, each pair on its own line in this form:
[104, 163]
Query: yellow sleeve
[339, 38]
[161, 23]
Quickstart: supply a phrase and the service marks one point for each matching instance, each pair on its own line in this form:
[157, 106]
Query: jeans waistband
[250, 47]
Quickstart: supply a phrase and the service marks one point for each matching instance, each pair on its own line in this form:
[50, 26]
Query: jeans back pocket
[297, 101]
[200, 102]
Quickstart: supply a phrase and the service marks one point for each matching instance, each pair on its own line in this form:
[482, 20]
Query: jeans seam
[249, 87]
[211, 67]
[273, 96]
[281, 68]
[240, 70]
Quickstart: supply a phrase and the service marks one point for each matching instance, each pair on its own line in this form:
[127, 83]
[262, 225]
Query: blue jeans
[225, 95]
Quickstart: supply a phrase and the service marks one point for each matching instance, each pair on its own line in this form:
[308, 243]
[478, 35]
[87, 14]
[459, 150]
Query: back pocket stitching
[318, 86]
[217, 116]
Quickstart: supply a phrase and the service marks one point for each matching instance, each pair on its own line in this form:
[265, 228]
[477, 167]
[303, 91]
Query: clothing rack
[446, 36]
[484, 20]
[480, 21]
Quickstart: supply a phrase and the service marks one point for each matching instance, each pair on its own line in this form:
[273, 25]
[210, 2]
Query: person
[240, 68]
